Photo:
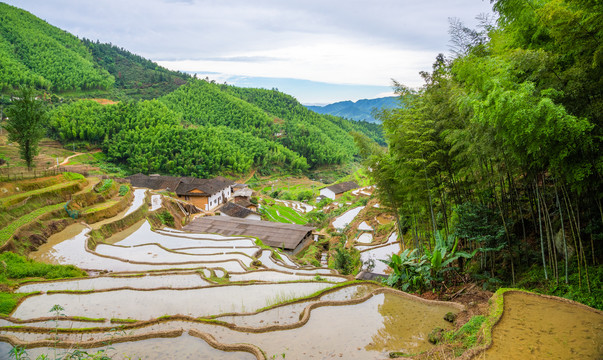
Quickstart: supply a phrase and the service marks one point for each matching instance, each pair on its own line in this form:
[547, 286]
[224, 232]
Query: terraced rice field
[162, 293]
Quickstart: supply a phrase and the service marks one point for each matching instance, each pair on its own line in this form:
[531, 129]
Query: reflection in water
[182, 347]
[352, 331]
[144, 305]
[534, 327]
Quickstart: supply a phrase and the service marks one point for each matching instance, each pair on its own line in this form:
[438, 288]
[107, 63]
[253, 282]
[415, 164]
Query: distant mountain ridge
[361, 110]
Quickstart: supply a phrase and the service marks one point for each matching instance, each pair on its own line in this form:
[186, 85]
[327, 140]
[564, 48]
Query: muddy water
[110, 282]
[183, 347]
[144, 305]
[289, 314]
[369, 330]
[139, 197]
[46, 252]
[533, 327]
[365, 238]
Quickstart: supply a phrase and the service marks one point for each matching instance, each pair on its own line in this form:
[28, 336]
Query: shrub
[105, 185]
[166, 218]
[123, 190]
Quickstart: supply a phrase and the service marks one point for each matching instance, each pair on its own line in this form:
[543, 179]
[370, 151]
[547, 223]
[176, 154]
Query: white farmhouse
[335, 191]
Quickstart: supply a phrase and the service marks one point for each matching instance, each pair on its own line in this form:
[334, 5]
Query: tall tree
[25, 124]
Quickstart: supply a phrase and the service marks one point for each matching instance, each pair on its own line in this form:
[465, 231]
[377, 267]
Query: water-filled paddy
[139, 197]
[145, 305]
[369, 330]
[182, 347]
[381, 323]
[380, 253]
[534, 327]
[111, 282]
[344, 220]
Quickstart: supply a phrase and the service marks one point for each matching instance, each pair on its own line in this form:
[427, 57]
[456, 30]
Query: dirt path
[244, 180]
[68, 158]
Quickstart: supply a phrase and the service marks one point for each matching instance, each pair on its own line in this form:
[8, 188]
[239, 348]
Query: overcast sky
[320, 51]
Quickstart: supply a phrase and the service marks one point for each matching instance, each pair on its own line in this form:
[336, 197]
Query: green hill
[134, 75]
[165, 121]
[32, 52]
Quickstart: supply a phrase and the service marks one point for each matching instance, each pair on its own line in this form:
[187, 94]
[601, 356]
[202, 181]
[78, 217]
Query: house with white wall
[334, 191]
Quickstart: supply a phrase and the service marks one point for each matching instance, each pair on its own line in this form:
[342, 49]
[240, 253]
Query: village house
[242, 197]
[205, 194]
[231, 209]
[335, 191]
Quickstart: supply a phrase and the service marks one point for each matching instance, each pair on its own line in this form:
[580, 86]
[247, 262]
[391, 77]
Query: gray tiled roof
[236, 210]
[274, 234]
[343, 187]
[181, 185]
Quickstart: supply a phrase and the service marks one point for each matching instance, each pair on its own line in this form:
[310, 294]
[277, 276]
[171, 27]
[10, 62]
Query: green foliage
[410, 272]
[202, 151]
[138, 77]
[347, 261]
[284, 214]
[166, 218]
[20, 267]
[479, 224]
[496, 134]
[104, 185]
[25, 123]
[8, 301]
[32, 52]
[9, 230]
[69, 176]
[123, 190]
[468, 334]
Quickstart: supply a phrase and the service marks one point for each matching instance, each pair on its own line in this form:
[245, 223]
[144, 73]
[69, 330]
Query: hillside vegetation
[135, 76]
[165, 121]
[32, 52]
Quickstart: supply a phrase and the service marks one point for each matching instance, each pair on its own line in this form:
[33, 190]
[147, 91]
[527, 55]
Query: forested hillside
[271, 115]
[148, 137]
[139, 78]
[32, 52]
[192, 127]
[499, 153]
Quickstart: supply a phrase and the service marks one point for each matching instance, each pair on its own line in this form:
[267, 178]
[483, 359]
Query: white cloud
[326, 59]
[340, 41]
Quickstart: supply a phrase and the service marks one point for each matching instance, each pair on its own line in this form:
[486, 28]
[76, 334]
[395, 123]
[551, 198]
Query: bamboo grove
[499, 152]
